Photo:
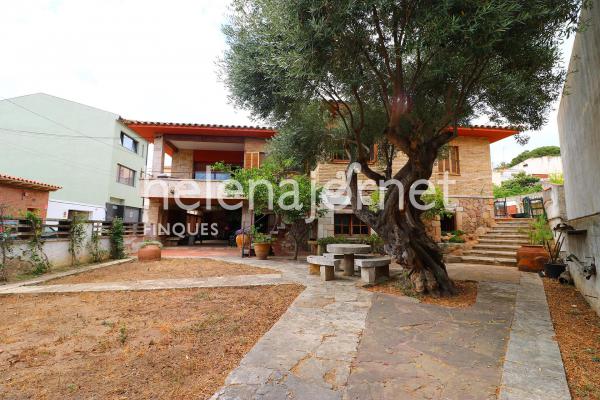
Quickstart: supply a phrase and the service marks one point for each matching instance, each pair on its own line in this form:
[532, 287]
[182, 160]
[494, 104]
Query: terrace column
[158, 155]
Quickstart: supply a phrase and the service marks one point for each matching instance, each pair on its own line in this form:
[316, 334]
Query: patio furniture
[323, 266]
[341, 257]
[373, 269]
[348, 250]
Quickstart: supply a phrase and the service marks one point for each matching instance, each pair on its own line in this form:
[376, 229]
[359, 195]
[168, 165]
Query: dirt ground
[174, 344]
[400, 286]
[166, 268]
[577, 329]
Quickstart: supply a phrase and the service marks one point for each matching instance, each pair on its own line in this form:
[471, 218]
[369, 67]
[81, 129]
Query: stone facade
[182, 165]
[470, 191]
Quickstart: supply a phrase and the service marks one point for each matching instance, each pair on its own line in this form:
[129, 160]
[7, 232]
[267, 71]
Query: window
[128, 142]
[253, 159]
[339, 155]
[349, 224]
[125, 175]
[450, 162]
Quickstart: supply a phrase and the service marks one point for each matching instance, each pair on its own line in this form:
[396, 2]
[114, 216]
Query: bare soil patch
[401, 286]
[175, 344]
[577, 329]
[164, 269]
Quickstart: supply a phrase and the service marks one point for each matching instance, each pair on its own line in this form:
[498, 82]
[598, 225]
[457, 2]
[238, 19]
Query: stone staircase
[497, 247]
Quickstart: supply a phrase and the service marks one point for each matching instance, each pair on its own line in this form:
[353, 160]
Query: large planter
[531, 258]
[553, 270]
[149, 253]
[242, 240]
[262, 250]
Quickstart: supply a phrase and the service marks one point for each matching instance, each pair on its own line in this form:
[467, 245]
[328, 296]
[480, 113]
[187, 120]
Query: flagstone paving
[338, 341]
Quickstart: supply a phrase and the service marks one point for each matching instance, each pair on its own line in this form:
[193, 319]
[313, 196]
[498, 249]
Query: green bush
[520, 184]
[117, 244]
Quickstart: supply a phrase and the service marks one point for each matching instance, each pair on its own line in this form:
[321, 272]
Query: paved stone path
[533, 368]
[338, 341]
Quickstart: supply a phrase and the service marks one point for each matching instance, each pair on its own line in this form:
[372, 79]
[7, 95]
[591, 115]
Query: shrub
[117, 244]
[146, 243]
[76, 237]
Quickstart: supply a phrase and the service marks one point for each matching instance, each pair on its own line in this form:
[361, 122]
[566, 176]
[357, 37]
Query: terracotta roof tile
[194, 125]
[23, 182]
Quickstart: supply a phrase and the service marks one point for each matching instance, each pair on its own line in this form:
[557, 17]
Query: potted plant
[150, 250]
[556, 265]
[262, 244]
[531, 257]
[242, 239]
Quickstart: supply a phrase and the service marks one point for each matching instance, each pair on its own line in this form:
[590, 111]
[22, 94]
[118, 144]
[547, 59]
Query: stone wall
[182, 166]
[472, 213]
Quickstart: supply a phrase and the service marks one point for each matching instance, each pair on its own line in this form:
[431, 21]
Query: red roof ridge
[192, 124]
[5, 178]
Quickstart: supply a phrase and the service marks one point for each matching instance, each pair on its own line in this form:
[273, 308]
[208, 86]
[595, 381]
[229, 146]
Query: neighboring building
[19, 195]
[468, 163]
[94, 157]
[540, 167]
[579, 128]
[194, 146]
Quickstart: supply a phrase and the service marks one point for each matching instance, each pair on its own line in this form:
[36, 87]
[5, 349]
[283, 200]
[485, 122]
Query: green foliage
[220, 166]
[117, 244]
[35, 245]
[557, 179]
[6, 242]
[456, 239]
[539, 152]
[439, 208]
[96, 252]
[376, 243]
[259, 237]
[520, 184]
[146, 243]
[324, 241]
[539, 232]
[77, 234]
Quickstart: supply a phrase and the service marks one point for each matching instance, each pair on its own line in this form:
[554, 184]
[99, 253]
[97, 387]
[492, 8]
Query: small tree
[519, 184]
[35, 246]
[117, 243]
[6, 241]
[77, 236]
[291, 196]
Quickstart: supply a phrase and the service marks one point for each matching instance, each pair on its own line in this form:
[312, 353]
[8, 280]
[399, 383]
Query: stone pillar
[158, 156]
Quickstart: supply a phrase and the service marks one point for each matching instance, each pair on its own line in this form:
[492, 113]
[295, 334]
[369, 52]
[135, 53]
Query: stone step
[496, 247]
[492, 253]
[514, 241]
[511, 225]
[509, 262]
[505, 236]
[509, 230]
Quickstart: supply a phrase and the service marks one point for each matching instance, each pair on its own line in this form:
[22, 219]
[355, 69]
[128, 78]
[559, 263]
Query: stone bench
[324, 266]
[373, 269]
[341, 257]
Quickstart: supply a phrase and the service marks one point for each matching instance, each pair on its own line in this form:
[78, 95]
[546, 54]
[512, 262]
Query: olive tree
[401, 73]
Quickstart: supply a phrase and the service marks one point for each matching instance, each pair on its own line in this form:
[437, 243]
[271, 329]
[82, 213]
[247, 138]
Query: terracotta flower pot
[531, 258]
[262, 250]
[149, 253]
[242, 240]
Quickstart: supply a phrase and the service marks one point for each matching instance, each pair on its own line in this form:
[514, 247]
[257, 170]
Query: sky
[146, 60]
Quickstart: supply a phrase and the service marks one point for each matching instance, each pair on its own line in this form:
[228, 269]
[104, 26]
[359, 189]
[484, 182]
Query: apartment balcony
[202, 186]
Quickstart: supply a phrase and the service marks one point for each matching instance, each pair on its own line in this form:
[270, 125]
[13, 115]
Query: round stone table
[348, 250]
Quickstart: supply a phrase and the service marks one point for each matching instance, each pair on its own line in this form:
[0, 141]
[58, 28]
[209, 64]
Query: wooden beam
[204, 138]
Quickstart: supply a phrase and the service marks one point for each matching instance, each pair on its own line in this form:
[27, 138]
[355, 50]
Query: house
[468, 164]
[19, 195]
[540, 167]
[184, 180]
[192, 147]
[579, 132]
[87, 151]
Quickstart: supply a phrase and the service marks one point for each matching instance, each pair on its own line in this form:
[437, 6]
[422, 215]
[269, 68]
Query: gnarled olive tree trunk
[400, 226]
